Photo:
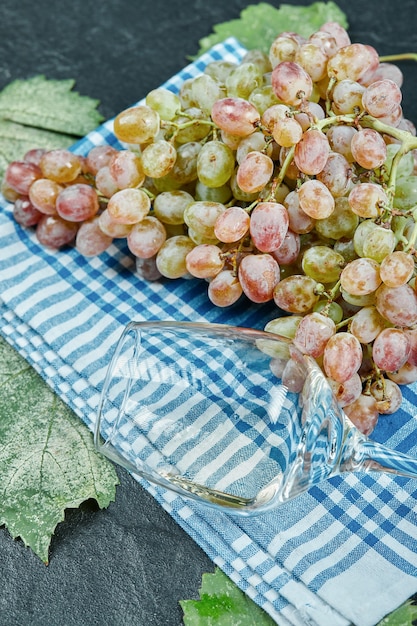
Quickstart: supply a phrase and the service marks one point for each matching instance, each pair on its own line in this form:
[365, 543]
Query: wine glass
[232, 417]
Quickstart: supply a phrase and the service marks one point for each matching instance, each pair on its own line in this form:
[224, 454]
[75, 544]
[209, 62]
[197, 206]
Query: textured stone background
[131, 564]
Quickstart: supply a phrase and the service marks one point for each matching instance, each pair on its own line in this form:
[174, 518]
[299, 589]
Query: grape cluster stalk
[288, 177]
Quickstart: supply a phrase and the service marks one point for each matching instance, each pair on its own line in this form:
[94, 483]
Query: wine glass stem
[377, 457]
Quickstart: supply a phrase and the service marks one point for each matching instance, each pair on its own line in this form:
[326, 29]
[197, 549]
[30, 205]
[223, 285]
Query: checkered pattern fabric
[345, 552]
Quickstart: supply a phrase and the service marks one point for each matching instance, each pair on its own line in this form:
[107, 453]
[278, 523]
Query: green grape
[361, 234]
[346, 248]
[284, 326]
[331, 309]
[220, 70]
[215, 164]
[243, 80]
[262, 98]
[220, 194]
[205, 91]
[164, 102]
[379, 243]
[406, 164]
[192, 130]
[170, 260]
[201, 217]
[341, 223]
[169, 206]
[406, 193]
[322, 264]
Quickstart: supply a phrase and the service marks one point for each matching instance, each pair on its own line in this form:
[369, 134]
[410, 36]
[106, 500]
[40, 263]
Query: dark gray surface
[131, 564]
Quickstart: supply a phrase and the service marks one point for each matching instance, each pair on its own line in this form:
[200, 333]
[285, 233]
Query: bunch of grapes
[289, 177]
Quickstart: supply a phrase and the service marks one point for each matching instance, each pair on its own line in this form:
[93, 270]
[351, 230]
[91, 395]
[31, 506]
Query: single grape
[347, 97]
[339, 34]
[379, 243]
[315, 199]
[164, 102]
[363, 413]
[54, 232]
[337, 174]
[113, 229]
[220, 194]
[313, 333]
[90, 239]
[342, 223]
[43, 194]
[77, 203]
[366, 324]
[186, 131]
[406, 375]
[60, 165]
[129, 206]
[98, 157]
[25, 213]
[287, 131]
[243, 79]
[381, 97]
[387, 394]
[322, 264]
[353, 62]
[231, 225]
[137, 125]
[105, 183]
[291, 83]
[170, 260]
[368, 148]
[398, 305]
[201, 217]
[215, 164]
[348, 391]
[236, 116]
[204, 261]
[285, 326]
[254, 172]
[340, 140]
[146, 269]
[342, 356]
[313, 59]
[126, 169]
[258, 275]
[169, 206]
[158, 158]
[34, 155]
[268, 226]
[397, 268]
[146, 237]
[206, 91]
[311, 152]
[296, 294]
[368, 200]
[283, 48]
[361, 277]
[224, 289]
[288, 251]
[20, 175]
[391, 349]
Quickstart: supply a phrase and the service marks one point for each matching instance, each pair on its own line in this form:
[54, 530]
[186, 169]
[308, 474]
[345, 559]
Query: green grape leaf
[49, 104]
[259, 24]
[403, 616]
[48, 462]
[42, 113]
[222, 603]
[16, 140]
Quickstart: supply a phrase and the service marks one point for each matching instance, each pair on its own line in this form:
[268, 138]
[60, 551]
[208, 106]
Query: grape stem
[406, 56]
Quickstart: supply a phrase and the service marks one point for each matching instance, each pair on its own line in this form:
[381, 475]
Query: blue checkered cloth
[345, 552]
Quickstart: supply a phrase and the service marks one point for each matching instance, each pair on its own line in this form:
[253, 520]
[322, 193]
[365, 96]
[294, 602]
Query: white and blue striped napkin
[345, 552]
